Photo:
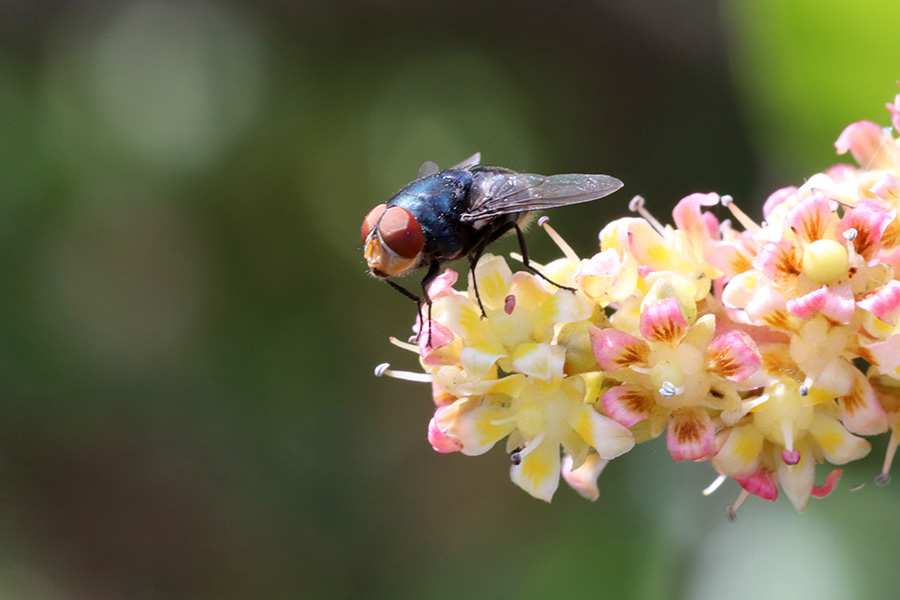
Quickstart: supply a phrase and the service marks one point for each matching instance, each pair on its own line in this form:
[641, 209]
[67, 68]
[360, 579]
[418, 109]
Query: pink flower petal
[887, 187]
[663, 321]
[584, 479]
[761, 484]
[690, 218]
[438, 435]
[861, 413]
[734, 356]
[884, 302]
[808, 306]
[627, 404]
[862, 139]
[777, 197]
[439, 337]
[443, 284]
[616, 350]
[779, 261]
[895, 112]
[811, 219]
[839, 303]
[869, 218]
[690, 434]
[830, 483]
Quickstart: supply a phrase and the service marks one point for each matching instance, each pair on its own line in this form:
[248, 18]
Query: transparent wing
[428, 168]
[469, 162]
[506, 193]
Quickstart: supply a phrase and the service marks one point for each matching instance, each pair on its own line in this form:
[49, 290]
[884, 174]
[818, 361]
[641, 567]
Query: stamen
[748, 405]
[405, 345]
[544, 222]
[504, 421]
[731, 512]
[787, 430]
[637, 205]
[748, 223]
[385, 369]
[532, 445]
[804, 390]
[516, 456]
[714, 485]
[850, 234]
[884, 477]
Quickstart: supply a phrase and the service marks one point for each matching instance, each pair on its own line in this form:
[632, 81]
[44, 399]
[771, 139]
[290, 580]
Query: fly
[446, 215]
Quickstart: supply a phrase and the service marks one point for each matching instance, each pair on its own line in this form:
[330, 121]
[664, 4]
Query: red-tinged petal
[776, 198]
[690, 434]
[830, 483]
[812, 219]
[734, 356]
[438, 437]
[808, 306]
[797, 480]
[863, 140]
[434, 345]
[869, 218]
[860, 411]
[884, 354]
[761, 483]
[616, 350]
[584, 479]
[440, 396]
[887, 187]
[731, 258]
[884, 302]
[663, 321]
[690, 218]
[839, 303]
[443, 284]
[628, 404]
[895, 112]
[779, 261]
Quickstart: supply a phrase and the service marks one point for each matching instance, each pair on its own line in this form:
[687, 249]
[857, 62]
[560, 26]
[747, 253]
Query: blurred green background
[187, 330]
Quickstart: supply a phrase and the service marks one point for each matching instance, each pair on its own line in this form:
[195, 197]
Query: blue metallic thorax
[437, 202]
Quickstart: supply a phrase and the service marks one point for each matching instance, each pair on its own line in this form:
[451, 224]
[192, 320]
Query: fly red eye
[371, 220]
[401, 232]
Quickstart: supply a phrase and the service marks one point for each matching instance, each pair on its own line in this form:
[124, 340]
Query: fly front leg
[430, 276]
[527, 264]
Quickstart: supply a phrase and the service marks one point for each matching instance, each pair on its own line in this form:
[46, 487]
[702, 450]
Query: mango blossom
[765, 347]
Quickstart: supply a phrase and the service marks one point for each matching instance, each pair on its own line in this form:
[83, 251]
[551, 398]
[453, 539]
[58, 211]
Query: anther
[804, 390]
[516, 457]
[637, 205]
[882, 479]
[668, 389]
[509, 305]
[850, 234]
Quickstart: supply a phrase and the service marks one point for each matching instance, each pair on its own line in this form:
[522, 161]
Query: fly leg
[473, 260]
[528, 264]
[426, 281]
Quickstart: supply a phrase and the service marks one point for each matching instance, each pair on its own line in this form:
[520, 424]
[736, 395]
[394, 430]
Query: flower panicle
[767, 349]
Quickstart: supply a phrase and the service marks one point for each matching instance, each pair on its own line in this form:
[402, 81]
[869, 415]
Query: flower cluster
[766, 349]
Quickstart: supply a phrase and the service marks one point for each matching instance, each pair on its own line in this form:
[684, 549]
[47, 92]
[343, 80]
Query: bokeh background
[187, 331]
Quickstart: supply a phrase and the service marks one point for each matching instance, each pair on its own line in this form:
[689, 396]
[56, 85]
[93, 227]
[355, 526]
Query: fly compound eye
[371, 220]
[401, 232]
